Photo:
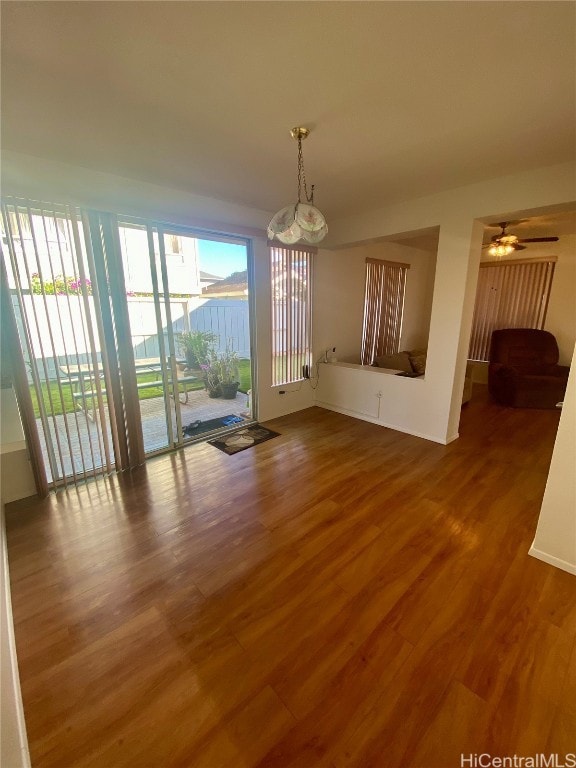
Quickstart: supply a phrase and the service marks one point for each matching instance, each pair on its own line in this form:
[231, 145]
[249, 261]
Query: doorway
[189, 309]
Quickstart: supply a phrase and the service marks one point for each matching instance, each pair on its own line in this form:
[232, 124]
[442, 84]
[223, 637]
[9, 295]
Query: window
[510, 294]
[291, 276]
[383, 308]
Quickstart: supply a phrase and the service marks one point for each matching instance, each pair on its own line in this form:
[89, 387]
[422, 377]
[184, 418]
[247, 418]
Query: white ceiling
[404, 98]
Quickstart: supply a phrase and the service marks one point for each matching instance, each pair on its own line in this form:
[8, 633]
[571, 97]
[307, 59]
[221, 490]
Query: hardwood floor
[342, 595]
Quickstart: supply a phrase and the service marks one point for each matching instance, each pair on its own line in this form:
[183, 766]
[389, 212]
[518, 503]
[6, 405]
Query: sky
[221, 259]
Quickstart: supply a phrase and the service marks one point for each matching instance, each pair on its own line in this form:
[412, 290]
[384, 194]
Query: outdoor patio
[75, 435]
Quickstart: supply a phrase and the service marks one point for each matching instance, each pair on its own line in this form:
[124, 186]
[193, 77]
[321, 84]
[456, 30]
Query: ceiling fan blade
[518, 247]
[539, 240]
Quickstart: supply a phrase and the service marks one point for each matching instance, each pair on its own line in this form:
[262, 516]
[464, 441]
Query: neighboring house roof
[207, 276]
[234, 285]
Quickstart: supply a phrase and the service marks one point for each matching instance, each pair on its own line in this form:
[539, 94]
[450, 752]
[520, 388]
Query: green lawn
[58, 402]
[244, 369]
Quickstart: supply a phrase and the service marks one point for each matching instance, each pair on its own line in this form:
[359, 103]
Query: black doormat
[200, 427]
[242, 439]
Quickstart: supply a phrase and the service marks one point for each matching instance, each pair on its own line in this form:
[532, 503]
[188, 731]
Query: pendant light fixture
[301, 222]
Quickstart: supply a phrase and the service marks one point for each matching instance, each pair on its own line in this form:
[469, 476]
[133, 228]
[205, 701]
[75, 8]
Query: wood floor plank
[561, 734]
[241, 740]
[317, 673]
[393, 724]
[504, 629]
[319, 736]
[343, 595]
[455, 731]
[78, 700]
[524, 707]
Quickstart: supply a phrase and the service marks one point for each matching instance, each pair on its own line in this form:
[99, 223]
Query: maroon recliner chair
[523, 371]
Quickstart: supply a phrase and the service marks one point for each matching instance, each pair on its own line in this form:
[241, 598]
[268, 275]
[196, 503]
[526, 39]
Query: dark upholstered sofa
[523, 371]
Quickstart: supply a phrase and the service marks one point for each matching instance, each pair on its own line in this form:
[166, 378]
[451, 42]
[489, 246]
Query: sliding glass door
[135, 335]
[190, 323]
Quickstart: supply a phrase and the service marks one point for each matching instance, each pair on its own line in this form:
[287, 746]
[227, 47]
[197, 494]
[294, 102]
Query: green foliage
[222, 368]
[196, 347]
[60, 286]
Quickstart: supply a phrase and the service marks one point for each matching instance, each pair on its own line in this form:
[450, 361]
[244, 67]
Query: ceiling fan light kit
[504, 244]
[500, 250]
[301, 222]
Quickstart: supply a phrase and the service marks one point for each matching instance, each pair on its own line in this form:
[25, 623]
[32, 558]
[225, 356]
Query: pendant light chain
[300, 222]
[302, 177]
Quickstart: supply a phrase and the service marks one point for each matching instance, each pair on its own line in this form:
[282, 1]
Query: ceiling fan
[504, 244]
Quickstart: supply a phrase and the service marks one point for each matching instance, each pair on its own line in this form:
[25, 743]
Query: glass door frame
[168, 358]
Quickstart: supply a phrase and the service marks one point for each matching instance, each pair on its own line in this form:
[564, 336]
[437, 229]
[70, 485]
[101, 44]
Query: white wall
[434, 408]
[422, 406]
[419, 295]
[13, 741]
[555, 540]
[561, 317]
[16, 477]
[339, 296]
[51, 181]
[339, 302]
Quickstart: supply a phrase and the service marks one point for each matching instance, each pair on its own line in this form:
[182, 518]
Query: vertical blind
[60, 268]
[383, 308]
[291, 278]
[510, 294]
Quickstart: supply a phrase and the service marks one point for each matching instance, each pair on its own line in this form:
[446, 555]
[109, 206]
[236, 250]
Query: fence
[59, 334]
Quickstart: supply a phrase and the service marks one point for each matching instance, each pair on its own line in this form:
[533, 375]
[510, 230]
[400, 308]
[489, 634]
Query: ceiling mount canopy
[301, 222]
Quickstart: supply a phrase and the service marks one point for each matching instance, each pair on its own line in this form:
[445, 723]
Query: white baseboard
[374, 420]
[551, 560]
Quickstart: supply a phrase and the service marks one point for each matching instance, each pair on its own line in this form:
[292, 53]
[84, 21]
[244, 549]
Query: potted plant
[210, 375]
[196, 347]
[222, 375]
